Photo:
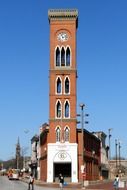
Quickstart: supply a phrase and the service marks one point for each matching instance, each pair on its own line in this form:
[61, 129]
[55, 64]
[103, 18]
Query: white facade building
[62, 153]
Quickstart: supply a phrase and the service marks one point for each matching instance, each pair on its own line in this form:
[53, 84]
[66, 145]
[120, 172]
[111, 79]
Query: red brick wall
[57, 26]
[92, 161]
[43, 155]
[43, 169]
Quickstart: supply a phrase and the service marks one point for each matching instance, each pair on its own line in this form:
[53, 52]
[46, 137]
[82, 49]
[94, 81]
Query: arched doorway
[62, 164]
[64, 169]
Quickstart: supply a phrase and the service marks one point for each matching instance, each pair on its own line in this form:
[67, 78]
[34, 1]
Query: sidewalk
[69, 186]
[96, 185]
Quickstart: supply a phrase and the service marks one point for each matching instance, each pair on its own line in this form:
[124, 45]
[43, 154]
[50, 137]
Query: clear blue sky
[24, 68]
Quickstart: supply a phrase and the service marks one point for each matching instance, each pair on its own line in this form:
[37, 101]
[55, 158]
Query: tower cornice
[63, 14]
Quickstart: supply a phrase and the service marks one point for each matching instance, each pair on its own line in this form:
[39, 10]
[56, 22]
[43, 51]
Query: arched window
[57, 57]
[58, 109]
[66, 134]
[59, 86]
[62, 57]
[67, 86]
[67, 109]
[68, 57]
[58, 134]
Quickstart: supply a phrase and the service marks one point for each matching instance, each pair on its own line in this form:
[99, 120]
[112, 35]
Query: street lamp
[116, 144]
[109, 135]
[119, 144]
[82, 129]
[109, 153]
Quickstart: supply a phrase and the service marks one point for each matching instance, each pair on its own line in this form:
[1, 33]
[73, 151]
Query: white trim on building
[62, 153]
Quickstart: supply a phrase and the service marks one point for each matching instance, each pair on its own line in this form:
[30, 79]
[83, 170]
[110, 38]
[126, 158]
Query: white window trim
[60, 49]
[69, 132]
[56, 109]
[69, 85]
[56, 85]
[64, 109]
[58, 126]
[65, 56]
[55, 56]
[70, 56]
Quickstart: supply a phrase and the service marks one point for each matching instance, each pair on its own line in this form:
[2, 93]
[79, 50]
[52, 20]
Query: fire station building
[64, 147]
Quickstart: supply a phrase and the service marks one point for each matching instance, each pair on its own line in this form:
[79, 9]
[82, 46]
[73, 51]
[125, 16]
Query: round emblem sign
[62, 155]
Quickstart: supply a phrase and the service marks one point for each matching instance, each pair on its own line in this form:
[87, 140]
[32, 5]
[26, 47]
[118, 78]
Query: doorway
[64, 169]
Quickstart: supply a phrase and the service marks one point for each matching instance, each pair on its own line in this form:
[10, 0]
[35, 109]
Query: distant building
[118, 166]
[104, 164]
[34, 156]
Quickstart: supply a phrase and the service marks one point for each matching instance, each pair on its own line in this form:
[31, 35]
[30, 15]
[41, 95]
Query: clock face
[62, 37]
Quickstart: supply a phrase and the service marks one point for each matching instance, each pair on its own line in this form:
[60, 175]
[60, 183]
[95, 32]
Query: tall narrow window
[62, 57]
[57, 57]
[67, 109]
[67, 90]
[66, 134]
[68, 57]
[58, 86]
[58, 134]
[58, 109]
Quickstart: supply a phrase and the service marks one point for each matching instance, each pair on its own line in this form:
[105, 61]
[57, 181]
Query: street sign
[82, 168]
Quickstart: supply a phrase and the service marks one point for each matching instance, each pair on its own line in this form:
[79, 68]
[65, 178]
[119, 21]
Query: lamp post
[82, 129]
[109, 135]
[39, 151]
[119, 145]
[109, 155]
[116, 144]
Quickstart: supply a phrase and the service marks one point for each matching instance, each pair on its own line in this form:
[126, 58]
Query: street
[6, 184]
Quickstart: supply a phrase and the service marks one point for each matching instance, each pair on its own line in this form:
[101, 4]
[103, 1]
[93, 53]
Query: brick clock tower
[62, 147]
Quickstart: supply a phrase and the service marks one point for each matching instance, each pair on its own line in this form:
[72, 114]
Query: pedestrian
[116, 183]
[31, 182]
[61, 181]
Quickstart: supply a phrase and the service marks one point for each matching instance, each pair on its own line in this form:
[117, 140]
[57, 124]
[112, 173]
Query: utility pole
[119, 155]
[109, 135]
[116, 144]
[109, 153]
[82, 129]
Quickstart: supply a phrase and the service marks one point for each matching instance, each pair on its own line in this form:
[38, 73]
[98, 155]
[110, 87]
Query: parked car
[13, 174]
[3, 172]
